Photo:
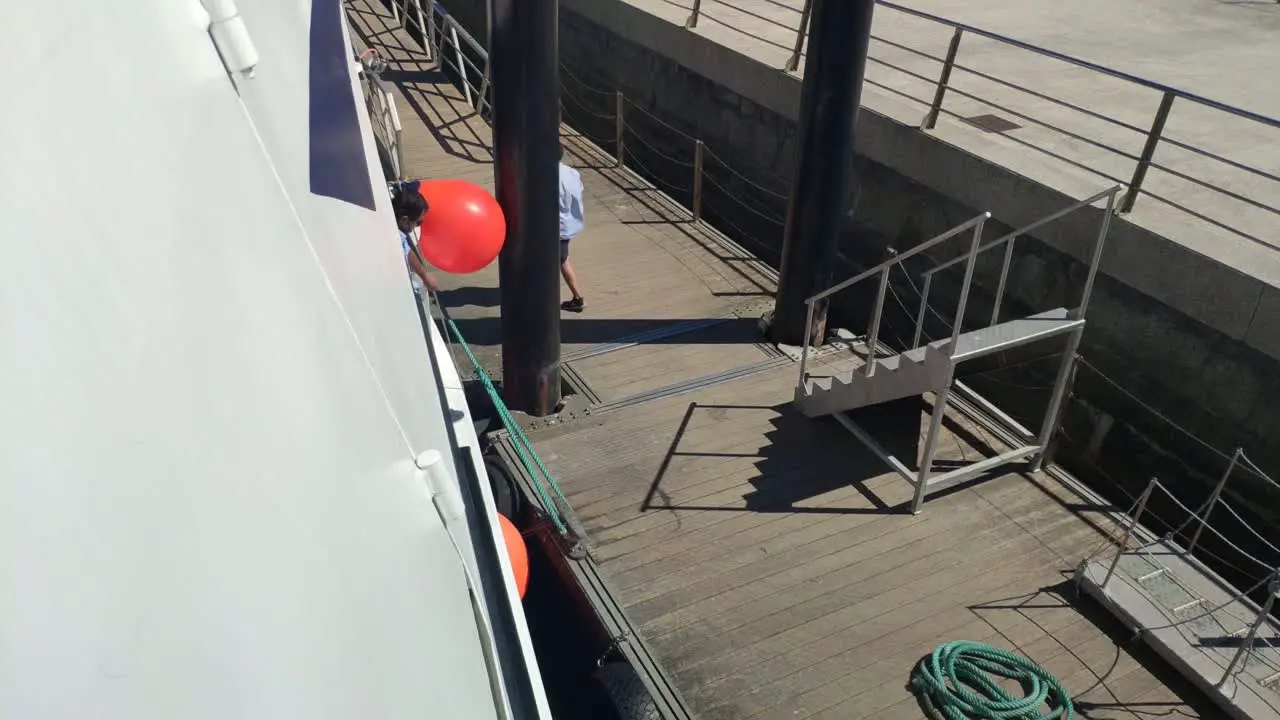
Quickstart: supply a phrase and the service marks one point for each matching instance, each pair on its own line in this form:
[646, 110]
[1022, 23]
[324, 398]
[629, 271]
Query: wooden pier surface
[767, 558]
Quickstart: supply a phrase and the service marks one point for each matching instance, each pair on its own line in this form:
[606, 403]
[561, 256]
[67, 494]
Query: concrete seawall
[1196, 339]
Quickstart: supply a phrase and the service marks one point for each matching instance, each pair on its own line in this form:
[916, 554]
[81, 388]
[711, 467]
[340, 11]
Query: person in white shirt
[571, 224]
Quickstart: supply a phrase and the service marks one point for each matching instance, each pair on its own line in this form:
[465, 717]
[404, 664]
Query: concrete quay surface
[1223, 50]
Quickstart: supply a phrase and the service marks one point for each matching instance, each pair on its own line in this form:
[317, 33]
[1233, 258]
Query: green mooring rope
[961, 681]
[523, 448]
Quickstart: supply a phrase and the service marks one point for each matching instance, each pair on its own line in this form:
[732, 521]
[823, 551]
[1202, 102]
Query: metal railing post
[698, 150]
[1213, 498]
[931, 444]
[462, 64]
[422, 28]
[873, 334]
[944, 78]
[1148, 152]
[1128, 531]
[793, 62]
[924, 310]
[808, 335]
[1049, 425]
[692, 22]
[968, 283]
[619, 107]
[433, 38]
[1004, 278]
[484, 87]
[1246, 645]
[1096, 259]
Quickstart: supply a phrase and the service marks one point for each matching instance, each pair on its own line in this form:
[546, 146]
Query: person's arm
[420, 269]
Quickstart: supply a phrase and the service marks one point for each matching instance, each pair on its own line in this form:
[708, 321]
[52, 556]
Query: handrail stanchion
[1049, 425]
[619, 106]
[1004, 278]
[1096, 259]
[873, 334]
[936, 416]
[484, 89]
[793, 62]
[698, 151]
[433, 38]
[968, 282]
[1246, 645]
[1066, 369]
[1128, 531]
[422, 28]
[944, 78]
[808, 335]
[1148, 152]
[924, 309]
[692, 22]
[462, 64]
[396, 134]
[1213, 498]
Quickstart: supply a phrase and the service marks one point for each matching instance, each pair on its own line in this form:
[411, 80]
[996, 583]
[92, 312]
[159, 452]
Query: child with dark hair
[410, 207]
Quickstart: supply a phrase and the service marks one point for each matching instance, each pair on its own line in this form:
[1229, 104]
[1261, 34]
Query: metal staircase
[930, 367]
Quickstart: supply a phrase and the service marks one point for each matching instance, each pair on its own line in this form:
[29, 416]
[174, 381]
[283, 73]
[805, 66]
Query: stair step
[1011, 334]
[927, 367]
[892, 362]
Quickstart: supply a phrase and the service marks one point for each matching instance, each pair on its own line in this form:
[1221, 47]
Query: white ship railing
[382, 110]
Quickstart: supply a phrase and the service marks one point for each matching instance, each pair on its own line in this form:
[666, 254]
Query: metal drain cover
[992, 123]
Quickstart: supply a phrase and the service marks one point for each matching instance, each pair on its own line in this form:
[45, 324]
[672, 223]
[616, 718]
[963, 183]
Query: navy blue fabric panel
[338, 166]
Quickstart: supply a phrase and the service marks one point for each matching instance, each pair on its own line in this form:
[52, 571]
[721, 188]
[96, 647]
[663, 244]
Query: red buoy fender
[517, 552]
[464, 228]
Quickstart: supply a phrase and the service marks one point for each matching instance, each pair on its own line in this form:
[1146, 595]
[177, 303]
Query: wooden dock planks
[766, 557]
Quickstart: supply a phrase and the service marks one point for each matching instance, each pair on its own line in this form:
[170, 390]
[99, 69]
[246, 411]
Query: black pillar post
[840, 31]
[524, 73]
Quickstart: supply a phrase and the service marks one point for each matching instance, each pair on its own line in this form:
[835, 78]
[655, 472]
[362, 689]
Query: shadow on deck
[767, 558]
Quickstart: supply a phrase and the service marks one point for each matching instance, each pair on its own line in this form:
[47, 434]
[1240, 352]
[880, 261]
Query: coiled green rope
[960, 680]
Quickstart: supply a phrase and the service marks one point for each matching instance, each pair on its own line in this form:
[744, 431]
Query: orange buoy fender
[517, 552]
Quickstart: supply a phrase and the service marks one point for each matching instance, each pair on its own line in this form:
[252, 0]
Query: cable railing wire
[1152, 131]
[739, 30]
[653, 149]
[1233, 195]
[1043, 124]
[743, 204]
[911, 50]
[1041, 96]
[756, 15]
[712, 154]
[583, 108]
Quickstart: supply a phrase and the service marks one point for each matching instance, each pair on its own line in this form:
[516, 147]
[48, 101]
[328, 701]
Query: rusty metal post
[1148, 152]
[931, 119]
[793, 62]
[620, 137]
[698, 151]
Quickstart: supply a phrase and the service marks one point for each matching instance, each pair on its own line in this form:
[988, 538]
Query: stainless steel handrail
[898, 259]
[1028, 228]
[1008, 240]
[883, 269]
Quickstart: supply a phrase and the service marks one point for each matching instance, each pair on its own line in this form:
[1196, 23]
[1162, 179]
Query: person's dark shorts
[564, 250]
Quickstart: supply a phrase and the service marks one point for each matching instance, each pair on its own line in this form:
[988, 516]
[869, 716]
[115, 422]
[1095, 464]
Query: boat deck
[767, 559]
